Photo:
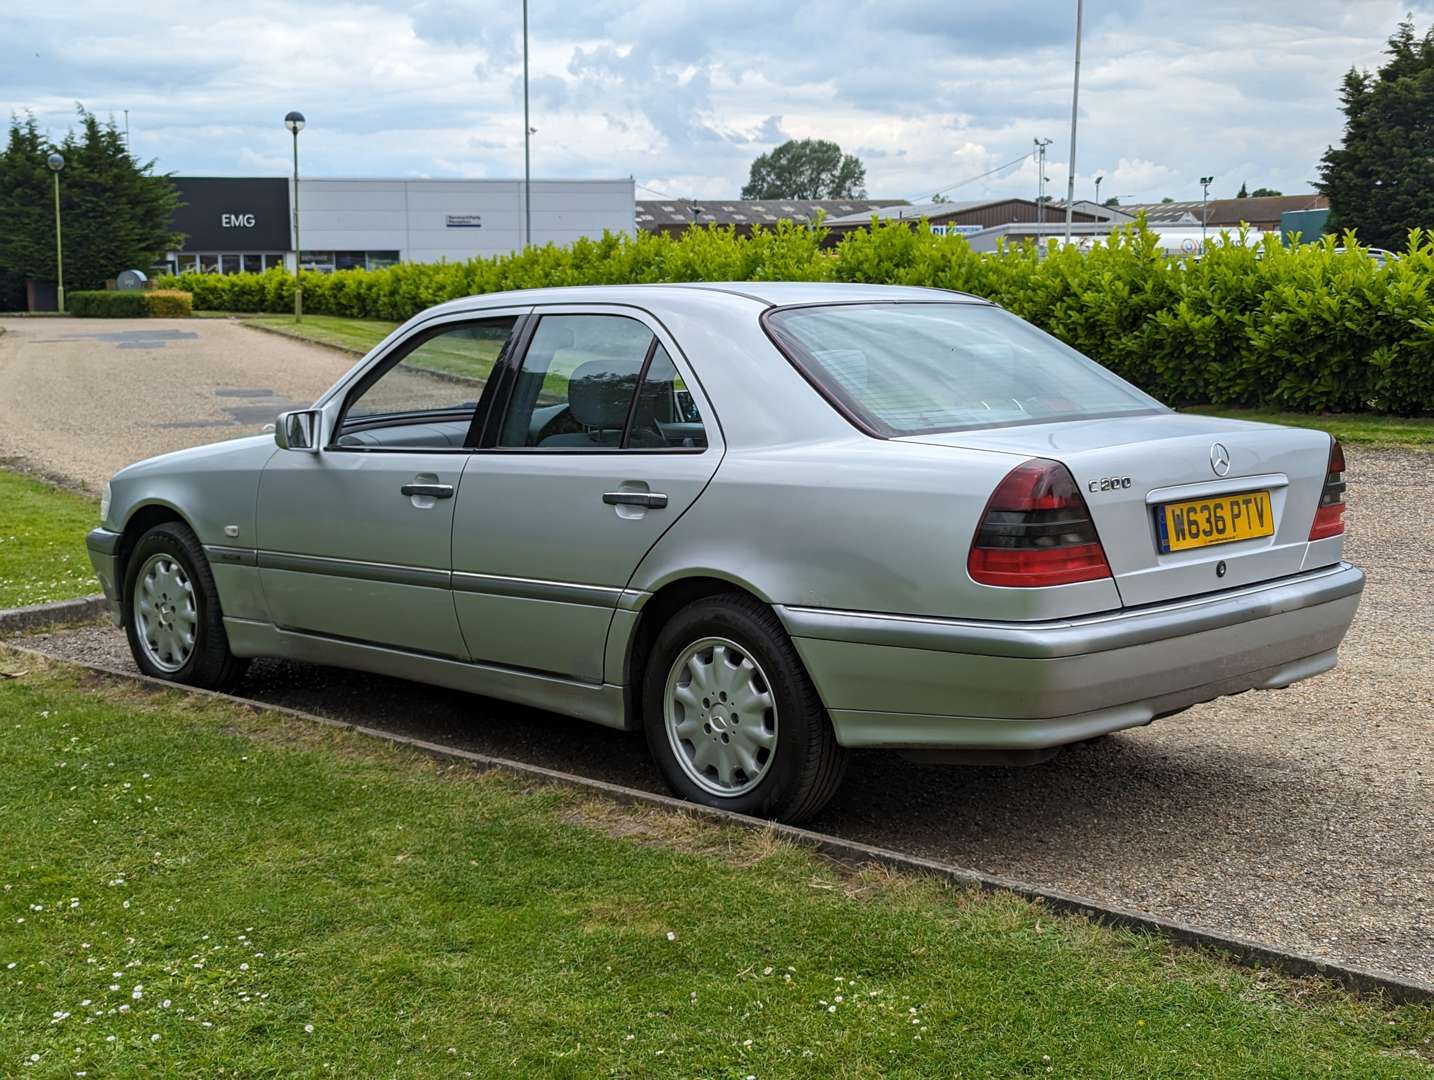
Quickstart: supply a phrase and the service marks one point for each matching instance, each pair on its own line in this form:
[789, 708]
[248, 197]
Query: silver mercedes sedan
[764, 522]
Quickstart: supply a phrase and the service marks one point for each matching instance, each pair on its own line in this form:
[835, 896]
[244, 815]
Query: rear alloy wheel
[171, 612]
[732, 719]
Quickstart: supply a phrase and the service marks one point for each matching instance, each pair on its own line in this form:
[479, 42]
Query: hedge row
[136, 304]
[1308, 328]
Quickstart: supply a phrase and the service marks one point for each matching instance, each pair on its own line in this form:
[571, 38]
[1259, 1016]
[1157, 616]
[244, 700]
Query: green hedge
[1305, 329]
[106, 304]
[168, 303]
[114, 304]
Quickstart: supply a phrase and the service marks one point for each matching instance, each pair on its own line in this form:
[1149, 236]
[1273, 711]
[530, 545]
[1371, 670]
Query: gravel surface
[1303, 818]
[82, 398]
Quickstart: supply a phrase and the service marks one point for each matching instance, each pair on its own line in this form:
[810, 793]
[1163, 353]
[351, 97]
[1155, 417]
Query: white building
[233, 224]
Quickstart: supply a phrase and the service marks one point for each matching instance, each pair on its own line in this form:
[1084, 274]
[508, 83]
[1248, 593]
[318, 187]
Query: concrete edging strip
[1247, 953]
[60, 613]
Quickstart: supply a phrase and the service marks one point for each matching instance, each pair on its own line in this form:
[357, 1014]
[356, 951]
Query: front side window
[428, 397]
[916, 368]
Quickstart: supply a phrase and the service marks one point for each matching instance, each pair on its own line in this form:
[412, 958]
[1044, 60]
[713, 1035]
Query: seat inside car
[599, 395]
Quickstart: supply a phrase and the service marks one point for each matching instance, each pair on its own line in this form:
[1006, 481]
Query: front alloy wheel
[166, 617]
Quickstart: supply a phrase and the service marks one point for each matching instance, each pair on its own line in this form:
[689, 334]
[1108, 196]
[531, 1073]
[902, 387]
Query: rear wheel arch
[661, 606]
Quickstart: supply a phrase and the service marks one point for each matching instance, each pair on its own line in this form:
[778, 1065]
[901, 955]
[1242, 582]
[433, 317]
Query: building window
[328, 261]
[208, 263]
[229, 264]
[253, 264]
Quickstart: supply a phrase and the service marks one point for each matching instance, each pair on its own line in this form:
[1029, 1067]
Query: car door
[601, 444]
[355, 541]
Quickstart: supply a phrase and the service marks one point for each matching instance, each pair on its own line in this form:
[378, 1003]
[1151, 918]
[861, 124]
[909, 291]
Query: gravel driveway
[1302, 818]
[81, 398]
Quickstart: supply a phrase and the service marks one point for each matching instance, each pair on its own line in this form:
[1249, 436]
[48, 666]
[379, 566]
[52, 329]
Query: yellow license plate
[1222, 520]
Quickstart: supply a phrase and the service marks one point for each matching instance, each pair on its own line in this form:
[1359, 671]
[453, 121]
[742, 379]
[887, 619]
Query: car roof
[763, 293]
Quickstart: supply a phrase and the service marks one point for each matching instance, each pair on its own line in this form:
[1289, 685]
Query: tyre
[731, 717]
[171, 612]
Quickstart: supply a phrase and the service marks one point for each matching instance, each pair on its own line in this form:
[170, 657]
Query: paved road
[81, 398]
[1303, 817]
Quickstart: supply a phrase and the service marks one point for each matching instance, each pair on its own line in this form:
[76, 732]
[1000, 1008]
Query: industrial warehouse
[237, 224]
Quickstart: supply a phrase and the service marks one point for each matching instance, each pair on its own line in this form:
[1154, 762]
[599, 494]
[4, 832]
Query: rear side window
[915, 368]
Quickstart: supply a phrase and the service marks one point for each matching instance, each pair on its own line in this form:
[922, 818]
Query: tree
[115, 212]
[1378, 180]
[1114, 200]
[1264, 193]
[1243, 193]
[806, 169]
[1167, 199]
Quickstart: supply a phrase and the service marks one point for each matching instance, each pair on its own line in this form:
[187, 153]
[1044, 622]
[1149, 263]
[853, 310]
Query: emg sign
[223, 213]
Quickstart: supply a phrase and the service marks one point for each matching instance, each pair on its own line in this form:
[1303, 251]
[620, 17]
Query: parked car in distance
[764, 522]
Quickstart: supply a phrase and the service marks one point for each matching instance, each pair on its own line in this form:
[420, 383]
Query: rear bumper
[103, 546]
[909, 682]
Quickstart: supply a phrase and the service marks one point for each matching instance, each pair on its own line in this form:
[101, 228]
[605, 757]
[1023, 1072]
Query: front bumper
[103, 546]
[920, 683]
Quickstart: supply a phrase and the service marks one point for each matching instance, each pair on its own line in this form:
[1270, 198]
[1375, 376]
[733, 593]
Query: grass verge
[1356, 429]
[42, 542]
[188, 886]
[357, 336]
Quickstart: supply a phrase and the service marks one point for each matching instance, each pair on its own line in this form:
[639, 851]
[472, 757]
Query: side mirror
[299, 430]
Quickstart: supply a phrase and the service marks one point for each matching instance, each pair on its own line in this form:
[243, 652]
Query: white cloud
[683, 94]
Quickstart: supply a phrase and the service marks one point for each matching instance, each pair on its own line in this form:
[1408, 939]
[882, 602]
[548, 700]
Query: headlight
[105, 503]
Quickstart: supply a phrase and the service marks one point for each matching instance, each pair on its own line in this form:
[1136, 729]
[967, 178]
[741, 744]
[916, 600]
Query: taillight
[1329, 517]
[1036, 531]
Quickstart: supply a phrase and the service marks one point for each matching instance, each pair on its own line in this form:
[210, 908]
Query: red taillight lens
[1036, 531]
[1329, 517]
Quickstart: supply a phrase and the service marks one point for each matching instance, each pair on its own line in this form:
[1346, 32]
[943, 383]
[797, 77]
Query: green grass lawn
[1356, 429]
[187, 886]
[357, 336]
[42, 542]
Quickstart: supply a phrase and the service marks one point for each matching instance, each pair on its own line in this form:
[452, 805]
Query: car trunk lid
[1127, 468]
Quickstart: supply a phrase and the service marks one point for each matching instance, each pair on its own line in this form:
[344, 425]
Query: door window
[576, 386]
[427, 397]
[666, 416]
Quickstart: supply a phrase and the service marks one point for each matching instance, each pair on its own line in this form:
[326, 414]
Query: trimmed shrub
[106, 304]
[168, 303]
[1308, 328]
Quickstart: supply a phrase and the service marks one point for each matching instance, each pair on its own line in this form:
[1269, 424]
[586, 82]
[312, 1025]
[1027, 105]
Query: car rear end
[1222, 541]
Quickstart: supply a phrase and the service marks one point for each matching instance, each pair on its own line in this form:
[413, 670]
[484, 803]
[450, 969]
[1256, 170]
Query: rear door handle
[652, 500]
[437, 491]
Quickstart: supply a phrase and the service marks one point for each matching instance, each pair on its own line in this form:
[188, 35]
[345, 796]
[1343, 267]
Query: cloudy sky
[682, 94]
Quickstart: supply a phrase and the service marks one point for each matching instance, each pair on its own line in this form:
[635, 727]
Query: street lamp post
[1098, 179]
[527, 139]
[56, 163]
[1205, 182]
[1075, 99]
[295, 123]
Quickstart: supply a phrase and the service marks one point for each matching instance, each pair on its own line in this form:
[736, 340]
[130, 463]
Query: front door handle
[436, 491]
[651, 500]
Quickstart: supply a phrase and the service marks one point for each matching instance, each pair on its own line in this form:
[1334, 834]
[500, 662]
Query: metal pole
[527, 138]
[1075, 99]
[59, 251]
[298, 248]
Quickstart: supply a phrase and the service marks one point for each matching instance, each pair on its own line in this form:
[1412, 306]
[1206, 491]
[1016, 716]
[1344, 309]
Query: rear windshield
[914, 368]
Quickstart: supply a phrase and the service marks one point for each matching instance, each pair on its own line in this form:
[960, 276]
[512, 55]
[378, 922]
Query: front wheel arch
[140, 522]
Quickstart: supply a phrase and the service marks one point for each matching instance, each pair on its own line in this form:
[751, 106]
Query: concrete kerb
[60, 613]
[1240, 950]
